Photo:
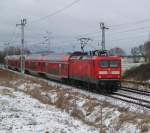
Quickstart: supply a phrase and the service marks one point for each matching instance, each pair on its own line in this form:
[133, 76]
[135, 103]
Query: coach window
[104, 63]
[114, 63]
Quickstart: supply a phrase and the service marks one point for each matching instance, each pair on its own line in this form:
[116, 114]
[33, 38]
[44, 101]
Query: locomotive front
[108, 73]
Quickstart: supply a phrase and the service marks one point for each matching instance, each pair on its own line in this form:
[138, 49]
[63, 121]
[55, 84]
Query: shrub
[139, 73]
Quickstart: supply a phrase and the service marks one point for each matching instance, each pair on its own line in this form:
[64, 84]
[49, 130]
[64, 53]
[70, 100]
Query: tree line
[11, 51]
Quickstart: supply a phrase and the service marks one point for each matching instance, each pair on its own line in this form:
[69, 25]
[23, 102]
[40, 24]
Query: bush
[139, 73]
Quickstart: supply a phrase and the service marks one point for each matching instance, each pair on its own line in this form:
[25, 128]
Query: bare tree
[11, 51]
[147, 50]
[2, 55]
[135, 53]
[15, 50]
[117, 51]
[142, 51]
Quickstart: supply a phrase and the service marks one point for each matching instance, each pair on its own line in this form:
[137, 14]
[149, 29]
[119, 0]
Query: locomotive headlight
[103, 72]
[115, 72]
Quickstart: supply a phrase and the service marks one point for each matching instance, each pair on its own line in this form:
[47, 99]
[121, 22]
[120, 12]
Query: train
[94, 68]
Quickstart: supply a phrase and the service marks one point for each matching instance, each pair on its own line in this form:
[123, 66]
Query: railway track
[133, 96]
[137, 91]
[117, 95]
[131, 99]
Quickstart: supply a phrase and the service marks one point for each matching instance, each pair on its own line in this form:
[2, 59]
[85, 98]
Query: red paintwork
[88, 67]
[108, 69]
[58, 66]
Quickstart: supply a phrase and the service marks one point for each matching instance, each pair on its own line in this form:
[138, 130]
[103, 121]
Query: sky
[128, 22]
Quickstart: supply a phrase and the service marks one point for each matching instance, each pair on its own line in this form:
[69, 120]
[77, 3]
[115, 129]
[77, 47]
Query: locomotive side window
[104, 63]
[114, 63]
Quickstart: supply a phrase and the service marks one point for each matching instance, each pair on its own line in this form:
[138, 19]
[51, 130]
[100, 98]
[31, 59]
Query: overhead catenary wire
[57, 11]
[68, 42]
[121, 31]
[123, 24]
[131, 23]
[74, 2]
[14, 37]
[53, 13]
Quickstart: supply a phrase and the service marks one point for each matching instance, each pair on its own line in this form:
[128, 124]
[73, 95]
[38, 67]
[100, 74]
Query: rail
[136, 82]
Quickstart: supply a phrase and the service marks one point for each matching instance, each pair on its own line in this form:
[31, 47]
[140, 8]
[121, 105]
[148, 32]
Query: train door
[63, 70]
[42, 66]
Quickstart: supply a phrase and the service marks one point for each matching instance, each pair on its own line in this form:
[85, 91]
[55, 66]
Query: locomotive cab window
[109, 63]
[104, 63]
[114, 63]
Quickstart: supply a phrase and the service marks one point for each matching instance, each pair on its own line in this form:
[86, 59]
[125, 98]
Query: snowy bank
[88, 107]
[20, 113]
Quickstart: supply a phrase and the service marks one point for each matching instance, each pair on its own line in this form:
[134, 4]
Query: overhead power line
[57, 11]
[135, 29]
[131, 23]
[95, 34]
[127, 38]
[116, 32]
[13, 35]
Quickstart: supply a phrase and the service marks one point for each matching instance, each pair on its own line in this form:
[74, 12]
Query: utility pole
[83, 42]
[22, 60]
[7, 48]
[48, 40]
[103, 28]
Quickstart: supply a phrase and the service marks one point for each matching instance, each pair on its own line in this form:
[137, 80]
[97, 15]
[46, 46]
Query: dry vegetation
[78, 105]
[141, 73]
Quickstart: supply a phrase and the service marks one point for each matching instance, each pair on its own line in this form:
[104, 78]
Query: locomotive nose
[109, 69]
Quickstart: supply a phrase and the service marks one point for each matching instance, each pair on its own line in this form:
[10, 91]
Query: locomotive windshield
[109, 63]
[114, 63]
[104, 63]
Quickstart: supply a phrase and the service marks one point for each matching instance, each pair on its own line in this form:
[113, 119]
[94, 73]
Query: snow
[37, 117]
[128, 128]
[111, 116]
[119, 103]
[19, 113]
[52, 96]
[135, 95]
[26, 86]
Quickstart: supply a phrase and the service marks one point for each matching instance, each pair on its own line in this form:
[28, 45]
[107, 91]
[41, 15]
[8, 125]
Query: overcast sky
[81, 18]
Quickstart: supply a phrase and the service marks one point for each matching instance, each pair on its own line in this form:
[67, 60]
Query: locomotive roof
[107, 57]
[92, 55]
[88, 57]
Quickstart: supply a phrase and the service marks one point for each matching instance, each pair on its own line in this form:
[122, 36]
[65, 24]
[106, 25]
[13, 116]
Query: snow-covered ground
[88, 107]
[19, 113]
[115, 102]
[117, 116]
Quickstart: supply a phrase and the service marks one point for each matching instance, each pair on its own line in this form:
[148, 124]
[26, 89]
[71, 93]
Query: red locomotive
[94, 68]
